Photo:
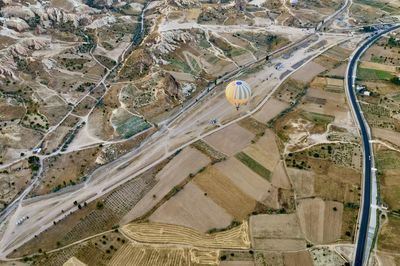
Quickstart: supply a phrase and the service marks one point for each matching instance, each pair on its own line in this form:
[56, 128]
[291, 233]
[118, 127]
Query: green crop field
[388, 160]
[254, 165]
[132, 126]
[318, 118]
[380, 5]
[373, 74]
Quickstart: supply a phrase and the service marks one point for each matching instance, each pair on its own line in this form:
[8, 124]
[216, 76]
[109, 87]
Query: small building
[360, 88]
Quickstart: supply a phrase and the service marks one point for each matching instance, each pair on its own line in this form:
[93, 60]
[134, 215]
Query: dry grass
[67, 169]
[157, 233]
[378, 66]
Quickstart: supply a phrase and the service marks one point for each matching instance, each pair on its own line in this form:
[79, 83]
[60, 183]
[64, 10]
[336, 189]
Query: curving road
[367, 220]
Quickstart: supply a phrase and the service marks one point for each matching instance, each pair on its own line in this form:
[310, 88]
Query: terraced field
[237, 237]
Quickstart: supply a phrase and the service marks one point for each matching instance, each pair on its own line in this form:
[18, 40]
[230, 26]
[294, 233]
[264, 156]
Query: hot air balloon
[238, 92]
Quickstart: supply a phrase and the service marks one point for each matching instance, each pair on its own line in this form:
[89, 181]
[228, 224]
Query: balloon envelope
[238, 92]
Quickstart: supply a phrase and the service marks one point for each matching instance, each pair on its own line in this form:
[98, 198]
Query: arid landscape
[120, 145]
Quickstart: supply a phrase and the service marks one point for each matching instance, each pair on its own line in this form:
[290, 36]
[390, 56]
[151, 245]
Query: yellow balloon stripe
[238, 92]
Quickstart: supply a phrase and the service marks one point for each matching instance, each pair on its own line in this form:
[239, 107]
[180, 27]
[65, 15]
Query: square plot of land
[192, 208]
[230, 140]
[249, 182]
[276, 232]
[225, 193]
[270, 109]
[308, 72]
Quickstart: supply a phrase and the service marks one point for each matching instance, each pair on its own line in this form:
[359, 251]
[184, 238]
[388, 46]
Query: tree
[99, 205]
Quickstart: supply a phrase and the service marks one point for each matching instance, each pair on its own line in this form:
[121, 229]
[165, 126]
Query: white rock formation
[168, 41]
[17, 24]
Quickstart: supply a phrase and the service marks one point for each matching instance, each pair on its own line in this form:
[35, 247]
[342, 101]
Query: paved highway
[364, 240]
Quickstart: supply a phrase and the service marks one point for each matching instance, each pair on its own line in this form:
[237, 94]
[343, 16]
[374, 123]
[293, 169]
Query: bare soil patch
[223, 192]
[303, 182]
[308, 72]
[231, 139]
[265, 151]
[270, 109]
[320, 221]
[188, 161]
[279, 177]
[191, 208]
[249, 182]
[297, 258]
[280, 232]
[387, 134]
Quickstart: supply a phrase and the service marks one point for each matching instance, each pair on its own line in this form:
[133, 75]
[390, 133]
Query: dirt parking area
[230, 140]
[192, 208]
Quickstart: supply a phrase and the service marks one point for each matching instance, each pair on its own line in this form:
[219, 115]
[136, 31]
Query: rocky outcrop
[169, 40]
[22, 12]
[17, 24]
[183, 3]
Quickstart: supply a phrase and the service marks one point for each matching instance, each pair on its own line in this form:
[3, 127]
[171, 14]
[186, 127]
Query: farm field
[271, 109]
[264, 151]
[74, 262]
[308, 72]
[115, 112]
[237, 237]
[297, 258]
[188, 161]
[388, 238]
[388, 165]
[134, 254]
[387, 135]
[280, 232]
[379, 66]
[191, 207]
[249, 182]
[230, 140]
[225, 193]
[373, 74]
[321, 221]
